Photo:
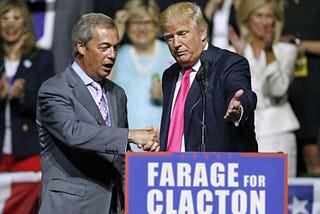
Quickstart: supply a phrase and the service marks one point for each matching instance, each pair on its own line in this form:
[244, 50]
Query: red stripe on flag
[24, 198]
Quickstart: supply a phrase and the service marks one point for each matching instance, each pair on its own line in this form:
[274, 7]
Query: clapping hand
[3, 86]
[238, 42]
[17, 89]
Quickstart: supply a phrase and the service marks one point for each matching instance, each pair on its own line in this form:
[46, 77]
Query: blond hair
[139, 8]
[247, 8]
[181, 11]
[29, 35]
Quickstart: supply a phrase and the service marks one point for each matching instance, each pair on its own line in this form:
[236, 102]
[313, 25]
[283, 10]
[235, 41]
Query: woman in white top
[272, 65]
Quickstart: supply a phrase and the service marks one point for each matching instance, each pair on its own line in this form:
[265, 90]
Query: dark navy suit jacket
[35, 69]
[228, 73]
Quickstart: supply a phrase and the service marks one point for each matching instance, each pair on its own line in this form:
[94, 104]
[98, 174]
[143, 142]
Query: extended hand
[234, 109]
[147, 139]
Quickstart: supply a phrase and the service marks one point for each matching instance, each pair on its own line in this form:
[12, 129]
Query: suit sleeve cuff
[237, 122]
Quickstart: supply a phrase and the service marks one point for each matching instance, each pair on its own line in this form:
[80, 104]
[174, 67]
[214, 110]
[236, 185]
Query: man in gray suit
[82, 154]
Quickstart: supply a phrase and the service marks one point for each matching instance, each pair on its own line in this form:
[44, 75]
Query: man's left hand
[233, 112]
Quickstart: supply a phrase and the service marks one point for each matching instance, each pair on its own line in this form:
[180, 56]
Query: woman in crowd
[272, 65]
[23, 68]
[140, 63]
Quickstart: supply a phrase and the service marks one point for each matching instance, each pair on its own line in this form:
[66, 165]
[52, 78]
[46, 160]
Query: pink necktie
[177, 116]
[101, 102]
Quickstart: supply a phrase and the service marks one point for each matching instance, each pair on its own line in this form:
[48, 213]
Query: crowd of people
[272, 64]
[141, 62]
[24, 67]
[129, 77]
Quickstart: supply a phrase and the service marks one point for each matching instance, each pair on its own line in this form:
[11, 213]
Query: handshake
[147, 139]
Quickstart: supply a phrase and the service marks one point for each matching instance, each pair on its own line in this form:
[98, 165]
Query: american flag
[19, 192]
[304, 196]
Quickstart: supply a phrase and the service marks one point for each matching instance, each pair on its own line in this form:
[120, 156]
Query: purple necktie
[177, 116]
[101, 102]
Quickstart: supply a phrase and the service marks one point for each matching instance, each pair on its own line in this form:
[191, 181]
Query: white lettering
[200, 175]
[169, 201]
[258, 202]
[254, 181]
[152, 173]
[183, 174]
[216, 178]
[153, 196]
[166, 201]
[186, 202]
[222, 197]
[232, 175]
[203, 197]
[167, 178]
[239, 202]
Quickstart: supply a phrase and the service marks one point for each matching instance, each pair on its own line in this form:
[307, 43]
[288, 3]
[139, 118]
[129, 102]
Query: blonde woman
[272, 64]
[24, 68]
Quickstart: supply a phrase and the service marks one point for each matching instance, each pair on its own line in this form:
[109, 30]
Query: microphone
[203, 79]
[206, 61]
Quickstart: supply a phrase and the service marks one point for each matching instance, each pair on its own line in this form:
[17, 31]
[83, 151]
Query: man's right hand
[147, 139]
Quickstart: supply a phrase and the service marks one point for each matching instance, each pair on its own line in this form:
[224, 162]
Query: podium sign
[206, 183]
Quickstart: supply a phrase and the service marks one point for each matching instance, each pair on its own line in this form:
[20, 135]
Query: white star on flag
[298, 206]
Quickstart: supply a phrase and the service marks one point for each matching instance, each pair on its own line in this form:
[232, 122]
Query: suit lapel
[170, 77]
[83, 95]
[170, 86]
[194, 94]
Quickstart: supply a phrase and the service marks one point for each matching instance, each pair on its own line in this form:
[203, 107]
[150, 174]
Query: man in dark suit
[84, 139]
[230, 102]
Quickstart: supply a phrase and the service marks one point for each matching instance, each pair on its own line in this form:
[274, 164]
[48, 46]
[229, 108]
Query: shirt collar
[83, 76]
[196, 66]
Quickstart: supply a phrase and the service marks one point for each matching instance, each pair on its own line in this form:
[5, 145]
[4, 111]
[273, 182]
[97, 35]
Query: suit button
[111, 152]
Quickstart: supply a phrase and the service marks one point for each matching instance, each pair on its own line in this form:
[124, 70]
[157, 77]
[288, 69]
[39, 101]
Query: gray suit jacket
[82, 159]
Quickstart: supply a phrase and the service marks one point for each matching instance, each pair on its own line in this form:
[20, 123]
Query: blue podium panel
[206, 183]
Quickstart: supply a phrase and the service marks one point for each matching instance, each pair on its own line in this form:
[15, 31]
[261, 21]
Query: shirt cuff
[237, 122]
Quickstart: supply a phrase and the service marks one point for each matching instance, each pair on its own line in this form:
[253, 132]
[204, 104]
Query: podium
[203, 182]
